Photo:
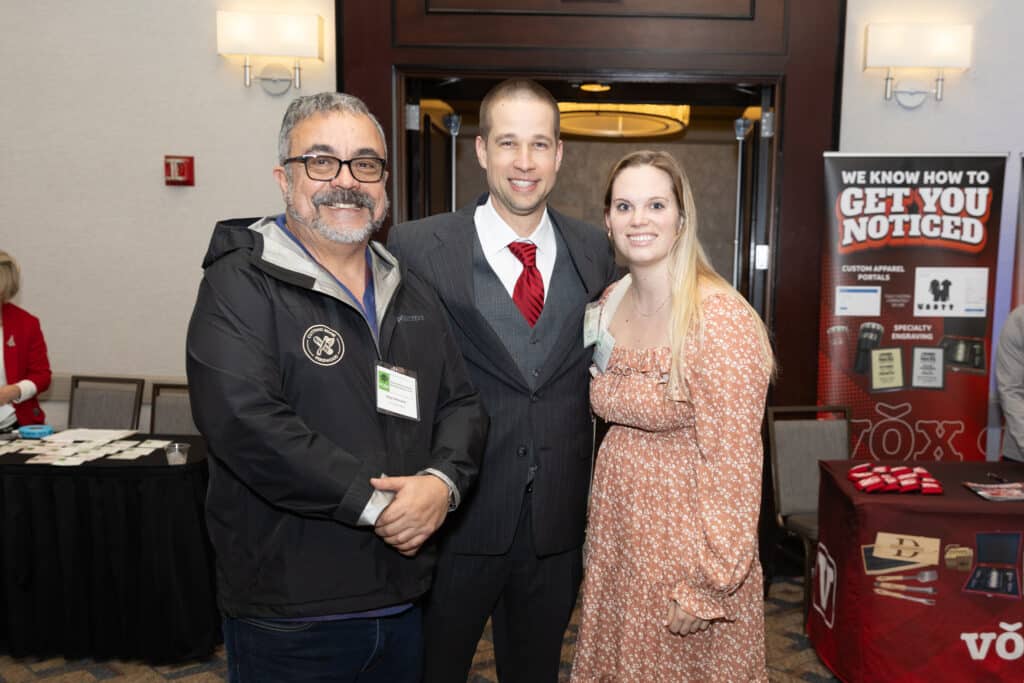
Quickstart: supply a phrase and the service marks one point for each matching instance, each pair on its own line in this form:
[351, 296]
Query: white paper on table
[153, 444]
[90, 456]
[42, 460]
[38, 449]
[68, 462]
[131, 454]
[83, 434]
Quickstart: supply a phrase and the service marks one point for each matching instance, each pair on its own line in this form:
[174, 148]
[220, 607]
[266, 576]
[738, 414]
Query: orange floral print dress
[674, 511]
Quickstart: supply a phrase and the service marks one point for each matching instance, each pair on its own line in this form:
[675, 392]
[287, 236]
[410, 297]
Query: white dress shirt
[495, 235]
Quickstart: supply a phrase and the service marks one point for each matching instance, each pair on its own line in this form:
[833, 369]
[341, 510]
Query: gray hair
[309, 105]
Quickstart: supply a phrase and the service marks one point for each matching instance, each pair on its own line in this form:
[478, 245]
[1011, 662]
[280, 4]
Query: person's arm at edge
[1010, 376]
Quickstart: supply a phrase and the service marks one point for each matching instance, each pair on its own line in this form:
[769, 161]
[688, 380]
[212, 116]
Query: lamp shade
[276, 35]
[919, 46]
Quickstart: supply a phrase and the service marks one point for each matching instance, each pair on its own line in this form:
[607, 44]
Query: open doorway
[726, 145]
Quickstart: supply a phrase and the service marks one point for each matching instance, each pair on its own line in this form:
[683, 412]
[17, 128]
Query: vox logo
[824, 589]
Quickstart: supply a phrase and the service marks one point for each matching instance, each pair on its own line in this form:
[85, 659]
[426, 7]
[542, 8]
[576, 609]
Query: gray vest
[529, 347]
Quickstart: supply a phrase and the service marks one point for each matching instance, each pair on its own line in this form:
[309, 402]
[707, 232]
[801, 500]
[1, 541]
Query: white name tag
[396, 392]
[603, 350]
[591, 321]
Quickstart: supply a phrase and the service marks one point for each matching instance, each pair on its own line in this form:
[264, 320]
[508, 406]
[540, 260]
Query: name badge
[591, 323]
[603, 350]
[396, 392]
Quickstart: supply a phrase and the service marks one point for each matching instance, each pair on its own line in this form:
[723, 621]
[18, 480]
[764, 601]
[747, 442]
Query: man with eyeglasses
[341, 423]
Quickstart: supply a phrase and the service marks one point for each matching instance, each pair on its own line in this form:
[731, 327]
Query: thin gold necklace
[636, 305]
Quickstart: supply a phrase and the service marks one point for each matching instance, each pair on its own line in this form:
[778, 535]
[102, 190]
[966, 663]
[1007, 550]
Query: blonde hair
[10, 277]
[689, 268]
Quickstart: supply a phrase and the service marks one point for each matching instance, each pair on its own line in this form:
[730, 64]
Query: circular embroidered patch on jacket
[322, 345]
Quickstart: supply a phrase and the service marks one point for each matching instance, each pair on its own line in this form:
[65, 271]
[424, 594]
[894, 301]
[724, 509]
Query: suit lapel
[593, 279]
[451, 263]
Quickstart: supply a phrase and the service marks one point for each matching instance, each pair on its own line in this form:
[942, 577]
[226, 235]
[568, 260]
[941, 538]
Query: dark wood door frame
[756, 285]
[795, 44]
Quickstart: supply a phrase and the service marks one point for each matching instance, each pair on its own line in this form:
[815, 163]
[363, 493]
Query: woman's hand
[9, 394]
[682, 622]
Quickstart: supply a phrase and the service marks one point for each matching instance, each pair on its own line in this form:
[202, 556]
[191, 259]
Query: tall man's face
[521, 157]
[342, 209]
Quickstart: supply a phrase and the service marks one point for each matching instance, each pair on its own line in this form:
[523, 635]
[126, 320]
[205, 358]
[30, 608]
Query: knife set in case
[996, 570]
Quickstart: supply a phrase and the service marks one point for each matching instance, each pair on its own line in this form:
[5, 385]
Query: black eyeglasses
[326, 168]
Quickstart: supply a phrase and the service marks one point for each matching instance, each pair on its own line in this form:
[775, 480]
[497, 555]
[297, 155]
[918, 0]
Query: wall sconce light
[272, 35]
[916, 46]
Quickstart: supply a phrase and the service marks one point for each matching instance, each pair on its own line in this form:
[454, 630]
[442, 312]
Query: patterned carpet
[790, 656]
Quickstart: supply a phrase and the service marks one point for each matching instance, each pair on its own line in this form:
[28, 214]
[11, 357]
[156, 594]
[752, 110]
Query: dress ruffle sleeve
[728, 381]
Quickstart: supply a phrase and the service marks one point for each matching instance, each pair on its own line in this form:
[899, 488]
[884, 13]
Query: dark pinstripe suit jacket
[555, 416]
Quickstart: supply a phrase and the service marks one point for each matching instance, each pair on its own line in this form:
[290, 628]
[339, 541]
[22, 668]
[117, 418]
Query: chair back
[171, 410]
[105, 402]
[798, 438]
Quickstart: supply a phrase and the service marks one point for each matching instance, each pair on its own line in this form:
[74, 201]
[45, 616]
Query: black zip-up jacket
[282, 378]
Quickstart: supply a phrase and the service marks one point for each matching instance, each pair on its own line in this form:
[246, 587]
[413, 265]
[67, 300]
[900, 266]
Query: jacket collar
[279, 256]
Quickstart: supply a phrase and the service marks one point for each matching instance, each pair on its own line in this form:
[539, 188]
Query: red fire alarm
[179, 170]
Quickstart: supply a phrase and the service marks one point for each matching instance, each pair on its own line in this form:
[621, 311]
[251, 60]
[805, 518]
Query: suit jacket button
[534, 398]
[521, 451]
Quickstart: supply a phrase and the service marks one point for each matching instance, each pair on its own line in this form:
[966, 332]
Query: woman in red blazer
[25, 370]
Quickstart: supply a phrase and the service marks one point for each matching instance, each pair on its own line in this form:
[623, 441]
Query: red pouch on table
[899, 470]
[860, 471]
[930, 487]
[891, 482]
[909, 484]
[880, 469]
[869, 484]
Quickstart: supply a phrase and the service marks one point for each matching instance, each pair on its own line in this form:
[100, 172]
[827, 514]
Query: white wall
[94, 96]
[980, 112]
[982, 106]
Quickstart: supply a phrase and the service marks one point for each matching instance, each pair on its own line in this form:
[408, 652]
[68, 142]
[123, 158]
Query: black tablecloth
[109, 559]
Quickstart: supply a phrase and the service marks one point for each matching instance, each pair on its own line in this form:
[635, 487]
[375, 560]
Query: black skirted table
[108, 559]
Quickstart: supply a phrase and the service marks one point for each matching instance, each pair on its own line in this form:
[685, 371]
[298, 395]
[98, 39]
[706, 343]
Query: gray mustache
[340, 195]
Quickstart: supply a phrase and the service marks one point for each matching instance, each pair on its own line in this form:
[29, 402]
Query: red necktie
[529, 292]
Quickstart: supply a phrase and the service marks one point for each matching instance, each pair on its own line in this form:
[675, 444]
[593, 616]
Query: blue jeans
[381, 650]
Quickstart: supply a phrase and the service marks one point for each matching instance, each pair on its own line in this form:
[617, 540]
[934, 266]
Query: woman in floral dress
[673, 587]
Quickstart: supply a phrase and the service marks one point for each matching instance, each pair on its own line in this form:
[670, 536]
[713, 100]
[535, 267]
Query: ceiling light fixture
[602, 120]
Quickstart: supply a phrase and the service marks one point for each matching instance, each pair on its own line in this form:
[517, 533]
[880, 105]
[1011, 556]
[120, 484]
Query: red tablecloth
[964, 636]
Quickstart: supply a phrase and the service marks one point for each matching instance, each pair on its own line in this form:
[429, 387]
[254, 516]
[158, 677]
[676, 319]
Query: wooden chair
[105, 402]
[800, 436]
[171, 410]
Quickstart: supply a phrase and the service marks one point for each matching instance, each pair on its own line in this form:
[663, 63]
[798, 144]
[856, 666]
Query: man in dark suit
[515, 278]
